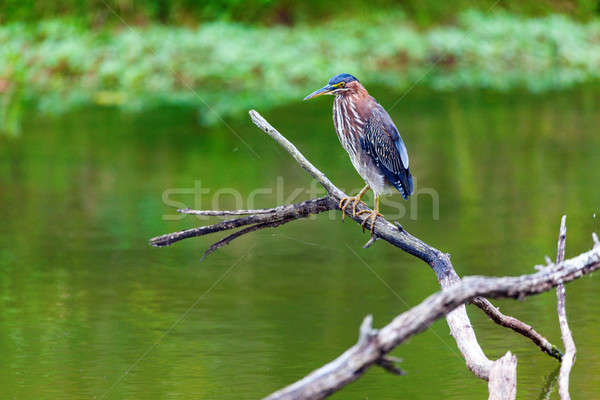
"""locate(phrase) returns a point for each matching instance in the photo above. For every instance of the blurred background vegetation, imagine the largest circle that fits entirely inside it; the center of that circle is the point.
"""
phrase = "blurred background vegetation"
(223, 57)
(272, 12)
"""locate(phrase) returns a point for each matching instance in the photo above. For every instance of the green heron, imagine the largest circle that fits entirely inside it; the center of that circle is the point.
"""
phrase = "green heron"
(372, 141)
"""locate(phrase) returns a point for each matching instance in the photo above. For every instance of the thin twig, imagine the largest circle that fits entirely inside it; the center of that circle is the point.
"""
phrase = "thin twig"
(370, 242)
(219, 213)
(390, 364)
(235, 235)
(299, 157)
(517, 326)
(567, 338)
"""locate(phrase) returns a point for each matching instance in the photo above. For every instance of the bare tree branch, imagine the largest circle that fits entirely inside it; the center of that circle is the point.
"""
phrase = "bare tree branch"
(372, 240)
(299, 157)
(285, 212)
(567, 338)
(219, 213)
(458, 321)
(517, 326)
(372, 345)
(389, 364)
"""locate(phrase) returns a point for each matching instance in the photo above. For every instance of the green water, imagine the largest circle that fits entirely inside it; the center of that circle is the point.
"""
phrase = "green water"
(89, 310)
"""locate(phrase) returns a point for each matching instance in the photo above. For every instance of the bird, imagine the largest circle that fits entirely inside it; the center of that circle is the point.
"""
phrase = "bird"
(376, 149)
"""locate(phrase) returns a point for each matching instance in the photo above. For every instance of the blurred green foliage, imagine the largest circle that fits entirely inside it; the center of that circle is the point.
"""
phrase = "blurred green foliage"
(225, 68)
(273, 11)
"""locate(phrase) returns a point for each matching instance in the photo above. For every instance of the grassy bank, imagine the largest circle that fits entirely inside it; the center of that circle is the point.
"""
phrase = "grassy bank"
(60, 65)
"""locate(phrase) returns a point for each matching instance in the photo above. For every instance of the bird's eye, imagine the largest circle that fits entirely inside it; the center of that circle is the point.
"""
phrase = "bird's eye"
(342, 84)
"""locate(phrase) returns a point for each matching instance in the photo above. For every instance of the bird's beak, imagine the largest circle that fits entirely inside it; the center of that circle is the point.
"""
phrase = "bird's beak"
(324, 90)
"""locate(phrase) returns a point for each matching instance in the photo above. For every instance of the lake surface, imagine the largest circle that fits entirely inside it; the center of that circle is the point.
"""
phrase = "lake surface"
(89, 310)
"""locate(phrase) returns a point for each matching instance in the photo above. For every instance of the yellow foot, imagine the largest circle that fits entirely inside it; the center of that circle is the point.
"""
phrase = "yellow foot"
(372, 216)
(345, 202)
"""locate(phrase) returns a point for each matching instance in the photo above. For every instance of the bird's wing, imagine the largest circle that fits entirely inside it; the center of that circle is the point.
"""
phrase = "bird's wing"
(382, 141)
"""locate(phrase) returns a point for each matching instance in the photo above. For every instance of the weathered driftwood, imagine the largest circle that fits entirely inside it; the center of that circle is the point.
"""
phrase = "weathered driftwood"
(458, 320)
(518, 326)
(373, 344)
(268, 215)
(569, 357)
(503, 378)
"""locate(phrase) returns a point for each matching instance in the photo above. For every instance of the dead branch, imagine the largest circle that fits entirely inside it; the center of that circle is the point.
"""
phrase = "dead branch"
(219, 213)
(248, 229)
(517, 326)
(373, 344)
(567, 338)
(458, 321)
(265, 216)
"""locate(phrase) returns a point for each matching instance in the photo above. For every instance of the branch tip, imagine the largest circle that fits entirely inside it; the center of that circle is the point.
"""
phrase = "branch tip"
(372, 240)
(389, 364)
(493, 312)
(366, 331)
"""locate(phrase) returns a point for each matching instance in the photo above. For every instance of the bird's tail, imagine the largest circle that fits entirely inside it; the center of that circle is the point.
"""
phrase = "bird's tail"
(404, 183)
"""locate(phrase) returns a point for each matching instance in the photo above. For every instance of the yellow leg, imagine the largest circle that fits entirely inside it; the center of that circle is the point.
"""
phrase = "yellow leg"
(345, 202)
(372, 215)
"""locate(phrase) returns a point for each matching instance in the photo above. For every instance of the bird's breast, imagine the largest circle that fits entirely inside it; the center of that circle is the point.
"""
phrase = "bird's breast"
(349, 126)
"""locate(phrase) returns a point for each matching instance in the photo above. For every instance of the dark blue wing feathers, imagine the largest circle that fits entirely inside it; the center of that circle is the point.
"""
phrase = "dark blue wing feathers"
(382, 141)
